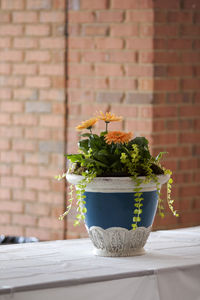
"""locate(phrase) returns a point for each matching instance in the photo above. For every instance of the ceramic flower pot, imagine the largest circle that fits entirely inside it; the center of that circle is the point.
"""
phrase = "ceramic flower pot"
(109, 217)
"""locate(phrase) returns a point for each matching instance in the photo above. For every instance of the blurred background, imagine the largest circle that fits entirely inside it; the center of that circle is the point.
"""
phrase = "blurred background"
(60, 62)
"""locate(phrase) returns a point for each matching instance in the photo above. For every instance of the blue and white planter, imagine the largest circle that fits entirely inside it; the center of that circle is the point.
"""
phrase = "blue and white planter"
(110, 206)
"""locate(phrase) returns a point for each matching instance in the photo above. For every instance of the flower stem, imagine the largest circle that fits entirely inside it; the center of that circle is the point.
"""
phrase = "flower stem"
(107, 126)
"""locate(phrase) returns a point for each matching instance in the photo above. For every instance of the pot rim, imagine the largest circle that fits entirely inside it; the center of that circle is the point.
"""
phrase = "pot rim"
(117, 184)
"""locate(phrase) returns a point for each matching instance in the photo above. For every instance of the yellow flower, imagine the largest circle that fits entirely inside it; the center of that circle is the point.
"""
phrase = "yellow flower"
(118, 137)
(87, 124)
(108, 117)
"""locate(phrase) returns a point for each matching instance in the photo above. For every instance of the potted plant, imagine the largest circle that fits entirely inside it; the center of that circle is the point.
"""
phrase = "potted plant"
(118, 186)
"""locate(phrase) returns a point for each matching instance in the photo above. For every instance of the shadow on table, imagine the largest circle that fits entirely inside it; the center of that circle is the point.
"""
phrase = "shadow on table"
(5, 240)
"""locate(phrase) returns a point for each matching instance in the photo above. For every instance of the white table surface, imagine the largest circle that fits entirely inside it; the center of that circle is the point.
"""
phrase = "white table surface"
(169, 270)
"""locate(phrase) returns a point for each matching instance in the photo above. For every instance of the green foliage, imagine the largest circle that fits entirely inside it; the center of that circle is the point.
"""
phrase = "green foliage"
(96, 158)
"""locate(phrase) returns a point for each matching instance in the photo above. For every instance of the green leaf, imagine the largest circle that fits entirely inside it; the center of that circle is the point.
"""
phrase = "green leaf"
(159, 156)
(84, 145)
(75, 157)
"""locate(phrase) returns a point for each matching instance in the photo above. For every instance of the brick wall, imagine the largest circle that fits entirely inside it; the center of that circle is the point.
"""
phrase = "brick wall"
(141, 60)
(137, 58)
(176, 115)
(32, 117)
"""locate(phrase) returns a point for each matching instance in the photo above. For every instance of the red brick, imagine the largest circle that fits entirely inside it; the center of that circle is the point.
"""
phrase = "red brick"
(37, 133)
(94, 83)
(37, 184)
(24, 119)
(52, 17)
(73, 83)
(190, 57)
(24, 17)
(39, 4)
(37, 56)
(130, 4)
(52, 43)
(20, 219)
(121, 56)
(52, 94)
(146, 84)
(51, 69)
(189, 111)
(180, 17)
(124, 30)
(12, 30)
(166, 30)
(138, 127)
(58, 82)
(140, 71)
(11, 206)
(25, 43)
(52, 121)
(41, 234)
(37, 30)
(140, 16)
(75, 29)
(191, 4)
(4, 17)
(5, 69)
(190, 30)
(122, 83)
(180, 71)
(166, 84)
(109, 16)
(13, 81)
(109, 43)
(5, 193)
(80, 17)
(187, 164)
(170, 4)
(10, 157)
(5, 93)
(95, 30)
(47, 222)
(5, 218)
(25, 195)
(167, 58)
(145, 112)
(164, 112)
(5, 119)
(23, 145)
(12, 4)
(4, 145)
(5, 42)
(178, 44)
(140, 43)
(11, 106)
(37, 82)
(175, 124)
(11, 182)
(24, 69)
(59, 4)
(92, 56)
(190, 137)
(108, 70)
(190, 84)
(11, 56)
(94, 4)
(81, 43)
(146, 57)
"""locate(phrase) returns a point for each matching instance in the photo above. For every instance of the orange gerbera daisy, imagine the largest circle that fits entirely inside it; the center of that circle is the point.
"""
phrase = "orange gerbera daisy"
(108, 117)
(117, 137)
(88, 124)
